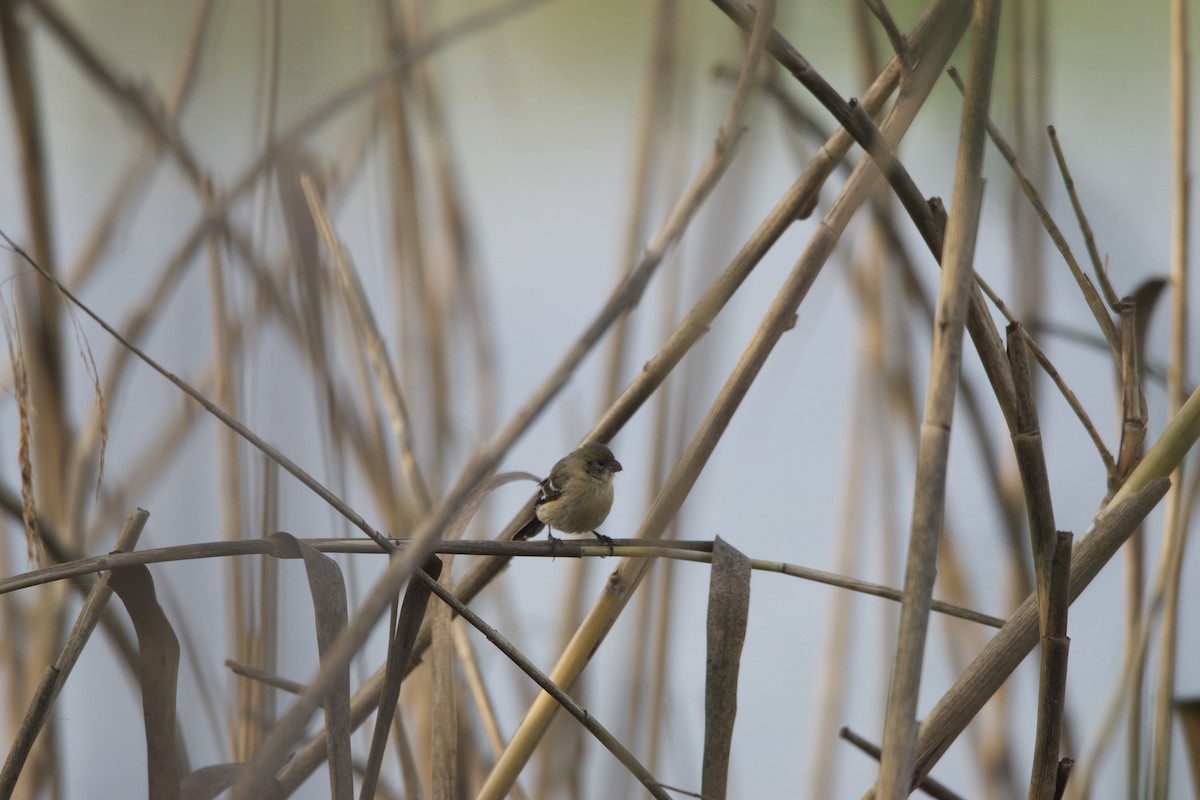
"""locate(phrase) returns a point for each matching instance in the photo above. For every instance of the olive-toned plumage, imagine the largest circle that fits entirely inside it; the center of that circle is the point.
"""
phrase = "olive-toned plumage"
(578, 495)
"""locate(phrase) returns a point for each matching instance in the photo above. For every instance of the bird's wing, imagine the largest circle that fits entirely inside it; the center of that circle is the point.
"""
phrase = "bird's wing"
(551, 488)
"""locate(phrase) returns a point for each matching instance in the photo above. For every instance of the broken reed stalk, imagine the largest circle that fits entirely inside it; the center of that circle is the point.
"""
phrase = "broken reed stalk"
(1052, 562)
(1008, 648)
(1147, 484)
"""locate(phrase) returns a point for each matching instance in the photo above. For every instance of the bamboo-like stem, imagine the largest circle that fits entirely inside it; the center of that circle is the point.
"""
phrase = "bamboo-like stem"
(1008, 648)
(1176, 526)
(1031, 463)
(1052, 689)
(900, 724)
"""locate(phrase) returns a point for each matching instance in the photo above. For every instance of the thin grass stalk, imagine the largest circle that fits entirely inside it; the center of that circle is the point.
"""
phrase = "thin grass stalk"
(1176, 526)
(417, 296)
(368, 331)
(566, 744)
(266, 642)
(46, 452)
(1089, 240)
(56, 675)
(650, 652)
(900, 724)
(653, 111)
(836, 645)
(1051, 560)
(239, 612)
(928, 785)
(677, 550)
(464, 292)
(1028, 73)
(89, 439)
(128, 188)
(444, 734)
(477, 688)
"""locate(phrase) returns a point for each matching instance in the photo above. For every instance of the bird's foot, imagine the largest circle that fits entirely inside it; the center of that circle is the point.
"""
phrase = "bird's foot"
(607, 540)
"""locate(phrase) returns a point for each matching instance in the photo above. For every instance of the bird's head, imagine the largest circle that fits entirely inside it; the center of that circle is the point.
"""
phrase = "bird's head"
(598, 460)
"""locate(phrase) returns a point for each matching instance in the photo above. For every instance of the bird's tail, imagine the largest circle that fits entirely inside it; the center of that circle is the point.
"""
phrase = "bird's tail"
(530, 530)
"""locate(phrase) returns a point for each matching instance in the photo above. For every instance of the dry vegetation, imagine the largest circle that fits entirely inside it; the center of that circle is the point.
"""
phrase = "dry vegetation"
(392, 407)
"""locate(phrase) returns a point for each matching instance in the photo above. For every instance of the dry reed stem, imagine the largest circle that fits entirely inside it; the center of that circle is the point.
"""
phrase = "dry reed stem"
(851, 115)
(1056, 377)
(56, 674)
(1052, 687)
(400, 643)
(653, 112)
(1086, 287)
(1085, 228)
(830, 686)
(46, 440)
(1031, 463)
(1176, 526)
(929, 786)
(954, 296)
(137, 172)
(695, 551)
(1009, 647)
(550, 688)
(956, 708)
(228, 420)
(1188, 710)
(779, 318)
(368, 329)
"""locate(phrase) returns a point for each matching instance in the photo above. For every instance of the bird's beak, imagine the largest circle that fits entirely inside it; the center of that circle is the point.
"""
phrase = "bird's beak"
(614, 466)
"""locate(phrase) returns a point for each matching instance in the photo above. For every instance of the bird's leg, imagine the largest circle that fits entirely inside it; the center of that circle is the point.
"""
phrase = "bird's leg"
(607, 540)
(554, 540)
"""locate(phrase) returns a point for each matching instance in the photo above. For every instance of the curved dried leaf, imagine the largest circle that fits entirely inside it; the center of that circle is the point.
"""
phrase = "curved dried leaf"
(728, 609)
(158, 650)
(328, 591)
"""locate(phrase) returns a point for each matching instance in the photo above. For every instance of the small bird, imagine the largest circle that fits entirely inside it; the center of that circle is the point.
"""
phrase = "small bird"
(577, 496)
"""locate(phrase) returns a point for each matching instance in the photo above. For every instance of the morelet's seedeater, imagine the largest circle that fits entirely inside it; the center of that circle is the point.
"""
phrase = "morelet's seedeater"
(577, 496)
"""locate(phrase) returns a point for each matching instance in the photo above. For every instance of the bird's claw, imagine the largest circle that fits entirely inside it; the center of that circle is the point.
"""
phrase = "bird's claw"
(607, 540)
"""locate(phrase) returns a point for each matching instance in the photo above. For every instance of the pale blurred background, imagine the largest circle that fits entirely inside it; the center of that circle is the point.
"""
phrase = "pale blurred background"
(542, 112)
